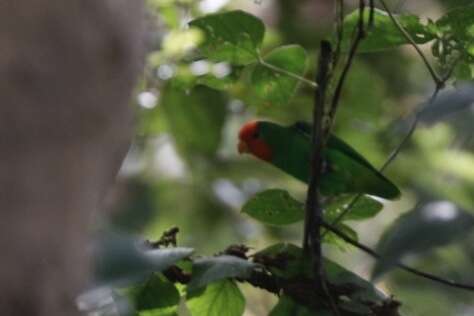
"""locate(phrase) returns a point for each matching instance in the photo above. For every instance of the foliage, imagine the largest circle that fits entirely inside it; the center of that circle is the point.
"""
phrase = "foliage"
(238, 67)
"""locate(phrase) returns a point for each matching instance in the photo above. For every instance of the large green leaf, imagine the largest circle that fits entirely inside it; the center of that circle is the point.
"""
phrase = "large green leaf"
(292, 263)
(155, 296)
(220, 82)
(195, 118)
(208, 270)
(289, 260)
(365, 208)
(384, 34)
(456, 37)
(273, 87)
(222, 298)
(233, 36)
(277, 207)
(331, 238)
(274, 207)
(218, 76)
(288, 307)
(459, 22)
(121, 258)
(167, 311)
(363, 290)
(432, 225)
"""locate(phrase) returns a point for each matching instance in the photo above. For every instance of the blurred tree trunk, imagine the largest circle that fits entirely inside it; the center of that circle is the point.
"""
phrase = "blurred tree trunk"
(67, 69)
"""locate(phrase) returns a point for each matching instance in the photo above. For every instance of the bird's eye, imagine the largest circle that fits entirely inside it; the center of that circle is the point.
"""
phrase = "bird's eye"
(256, 135)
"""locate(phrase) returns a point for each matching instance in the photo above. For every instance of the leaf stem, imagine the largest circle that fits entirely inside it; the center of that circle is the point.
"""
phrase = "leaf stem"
(408, 37)
(282, 71)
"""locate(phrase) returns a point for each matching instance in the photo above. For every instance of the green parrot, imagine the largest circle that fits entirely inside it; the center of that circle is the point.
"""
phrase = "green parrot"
(289, 149)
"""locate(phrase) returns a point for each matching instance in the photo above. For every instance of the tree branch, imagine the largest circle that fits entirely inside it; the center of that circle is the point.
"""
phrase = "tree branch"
(314, 211)
(300, 288)
(313, 206)
(402, 266)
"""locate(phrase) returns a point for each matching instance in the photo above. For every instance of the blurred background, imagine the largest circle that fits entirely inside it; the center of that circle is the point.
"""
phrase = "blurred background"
(184, 170)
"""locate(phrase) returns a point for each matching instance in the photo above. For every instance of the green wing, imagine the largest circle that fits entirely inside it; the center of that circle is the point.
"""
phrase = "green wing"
(347, 175)
(333, 142)
(348, 171)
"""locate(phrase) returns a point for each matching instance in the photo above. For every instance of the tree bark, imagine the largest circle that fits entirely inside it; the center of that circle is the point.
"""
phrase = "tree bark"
(67, 69)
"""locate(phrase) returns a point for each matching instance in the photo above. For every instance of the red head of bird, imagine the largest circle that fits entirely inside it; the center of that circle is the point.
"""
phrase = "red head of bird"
(251, 141)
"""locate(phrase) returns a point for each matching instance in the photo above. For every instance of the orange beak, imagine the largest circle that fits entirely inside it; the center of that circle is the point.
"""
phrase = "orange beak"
(243, 147)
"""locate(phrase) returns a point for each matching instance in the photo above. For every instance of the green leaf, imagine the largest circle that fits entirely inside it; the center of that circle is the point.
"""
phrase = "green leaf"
(432, 225)
(458, 22)
(365, 207)
(195, 119)
(167, 311)
(333, 239)
(233, 36)
(208, 270)
(456, 40)
(288, 307)
(155, 293)
(218, 76)
(220, 82)
(170, 15)
(277, 207)
(288, 261)
(384, 34)
(362, 291)
(223, 298)
(463, 71)
(274, 207)
(121, 258)
(272, 87)
(285, 260)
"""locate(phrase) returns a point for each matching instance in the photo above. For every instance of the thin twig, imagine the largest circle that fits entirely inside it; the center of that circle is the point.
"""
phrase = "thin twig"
(337, 93)
(339, 31)
(403, 142)
(389, 160)
(402, 266)
(371, 13)
(282, 71)
(408, 37)
(345, 211)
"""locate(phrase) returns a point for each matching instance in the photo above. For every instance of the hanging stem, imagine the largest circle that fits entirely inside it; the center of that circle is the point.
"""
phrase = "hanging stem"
(408, 37)
(282, 71)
